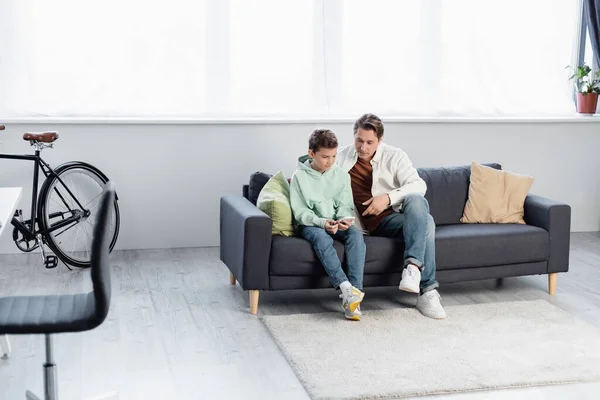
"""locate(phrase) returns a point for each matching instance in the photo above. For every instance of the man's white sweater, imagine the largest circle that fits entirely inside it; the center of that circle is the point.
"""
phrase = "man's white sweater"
(393, 173)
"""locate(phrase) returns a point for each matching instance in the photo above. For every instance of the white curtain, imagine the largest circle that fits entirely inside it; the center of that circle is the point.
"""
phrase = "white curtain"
(231, 58)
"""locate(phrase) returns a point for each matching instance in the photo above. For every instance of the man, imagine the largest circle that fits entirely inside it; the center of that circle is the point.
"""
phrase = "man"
(389, 198)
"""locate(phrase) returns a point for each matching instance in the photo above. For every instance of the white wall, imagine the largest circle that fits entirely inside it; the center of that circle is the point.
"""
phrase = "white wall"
(170, 177)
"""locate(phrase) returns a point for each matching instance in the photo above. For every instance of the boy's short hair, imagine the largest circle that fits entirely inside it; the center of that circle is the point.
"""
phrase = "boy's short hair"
(369, 122)
(322, 139)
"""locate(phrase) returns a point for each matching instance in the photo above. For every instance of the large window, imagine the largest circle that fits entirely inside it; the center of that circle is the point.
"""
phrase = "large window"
(222, 58)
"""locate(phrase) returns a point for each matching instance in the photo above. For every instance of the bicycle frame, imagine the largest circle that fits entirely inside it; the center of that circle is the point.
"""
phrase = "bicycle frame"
(40, 164)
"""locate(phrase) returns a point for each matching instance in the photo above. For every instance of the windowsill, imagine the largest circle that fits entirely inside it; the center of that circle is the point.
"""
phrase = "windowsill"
(568, 118)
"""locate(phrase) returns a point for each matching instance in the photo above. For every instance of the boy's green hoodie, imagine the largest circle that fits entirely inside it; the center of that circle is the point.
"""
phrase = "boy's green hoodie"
(317, 197)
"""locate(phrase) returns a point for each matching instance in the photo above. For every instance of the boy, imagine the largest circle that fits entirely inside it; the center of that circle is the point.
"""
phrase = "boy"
(322, 205)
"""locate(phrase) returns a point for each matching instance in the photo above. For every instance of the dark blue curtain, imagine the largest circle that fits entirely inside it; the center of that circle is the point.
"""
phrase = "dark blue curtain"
(592, 18)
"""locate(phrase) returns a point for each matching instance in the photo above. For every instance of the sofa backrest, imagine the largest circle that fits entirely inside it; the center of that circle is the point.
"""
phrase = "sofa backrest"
(255, 185)
(447, 190)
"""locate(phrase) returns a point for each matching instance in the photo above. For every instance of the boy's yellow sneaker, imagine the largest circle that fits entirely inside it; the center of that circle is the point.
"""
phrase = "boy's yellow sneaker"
(353, 316)
(351, 299)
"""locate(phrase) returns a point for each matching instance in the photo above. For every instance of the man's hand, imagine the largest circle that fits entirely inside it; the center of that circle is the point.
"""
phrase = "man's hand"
(344, 224)
(376, 204)
(331, 226)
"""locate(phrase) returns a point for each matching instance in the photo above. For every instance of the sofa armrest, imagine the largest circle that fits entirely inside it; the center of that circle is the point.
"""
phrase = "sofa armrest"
(245, 240)
(554, 217)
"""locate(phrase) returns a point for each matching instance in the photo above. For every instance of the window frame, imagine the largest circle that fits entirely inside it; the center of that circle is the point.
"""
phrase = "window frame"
(326, 77)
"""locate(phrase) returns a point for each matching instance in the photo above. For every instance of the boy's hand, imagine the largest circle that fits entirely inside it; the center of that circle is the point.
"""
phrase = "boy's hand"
(376, 205)
(331, 226)
(344, 224)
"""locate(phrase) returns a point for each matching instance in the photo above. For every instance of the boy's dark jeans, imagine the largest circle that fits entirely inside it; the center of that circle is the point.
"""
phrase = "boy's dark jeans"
(355, 247)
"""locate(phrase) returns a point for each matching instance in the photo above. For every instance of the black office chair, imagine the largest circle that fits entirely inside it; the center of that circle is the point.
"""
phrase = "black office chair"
(65, 313)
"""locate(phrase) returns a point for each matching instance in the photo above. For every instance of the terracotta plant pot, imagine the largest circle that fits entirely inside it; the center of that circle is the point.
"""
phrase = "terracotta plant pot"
(587, 102)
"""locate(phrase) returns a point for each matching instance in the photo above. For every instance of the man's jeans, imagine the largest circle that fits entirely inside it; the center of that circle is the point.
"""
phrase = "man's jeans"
(355, 247)
(418, 228)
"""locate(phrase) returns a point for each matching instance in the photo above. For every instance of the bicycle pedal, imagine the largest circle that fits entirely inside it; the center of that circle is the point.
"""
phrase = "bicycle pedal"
(51, 262)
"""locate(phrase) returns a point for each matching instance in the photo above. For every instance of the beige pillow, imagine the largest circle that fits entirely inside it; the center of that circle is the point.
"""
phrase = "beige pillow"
(495, 196)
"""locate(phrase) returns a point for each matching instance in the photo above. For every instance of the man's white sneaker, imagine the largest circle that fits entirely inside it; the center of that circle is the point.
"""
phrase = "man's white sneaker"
(411, 279)
(430, 306)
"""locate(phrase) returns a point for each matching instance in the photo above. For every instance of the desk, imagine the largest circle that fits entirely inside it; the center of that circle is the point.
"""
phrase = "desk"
(9, 198)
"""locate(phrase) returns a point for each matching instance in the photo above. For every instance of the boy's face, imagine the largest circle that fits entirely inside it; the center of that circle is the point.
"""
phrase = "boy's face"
(323, 159)
(366, 143)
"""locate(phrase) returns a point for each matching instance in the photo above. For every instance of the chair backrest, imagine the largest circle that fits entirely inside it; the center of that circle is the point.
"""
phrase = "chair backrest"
(100, 263)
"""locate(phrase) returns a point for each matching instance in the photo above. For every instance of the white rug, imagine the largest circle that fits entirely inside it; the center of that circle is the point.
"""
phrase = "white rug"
(399, 353)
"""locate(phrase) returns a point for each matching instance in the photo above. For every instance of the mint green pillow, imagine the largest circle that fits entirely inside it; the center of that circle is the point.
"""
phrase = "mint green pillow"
(274, 200)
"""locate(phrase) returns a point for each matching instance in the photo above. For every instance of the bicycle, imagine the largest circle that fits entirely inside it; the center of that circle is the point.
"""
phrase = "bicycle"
(64, 209)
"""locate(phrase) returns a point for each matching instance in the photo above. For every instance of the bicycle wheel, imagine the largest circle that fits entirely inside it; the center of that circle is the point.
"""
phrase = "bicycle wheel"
(71, 242)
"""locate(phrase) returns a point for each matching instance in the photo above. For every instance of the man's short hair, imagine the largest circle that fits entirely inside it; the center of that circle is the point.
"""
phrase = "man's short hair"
(369, 122)
(322, 139)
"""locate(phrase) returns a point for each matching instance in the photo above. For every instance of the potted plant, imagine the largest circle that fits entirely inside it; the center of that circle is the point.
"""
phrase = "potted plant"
(587, 88)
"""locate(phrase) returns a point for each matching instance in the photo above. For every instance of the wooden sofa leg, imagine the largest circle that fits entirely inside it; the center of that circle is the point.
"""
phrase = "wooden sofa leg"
(253, 302)
(231, 278)
(552, 283)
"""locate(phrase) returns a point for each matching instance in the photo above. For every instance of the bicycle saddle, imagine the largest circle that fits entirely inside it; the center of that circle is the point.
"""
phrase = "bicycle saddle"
(44, 137)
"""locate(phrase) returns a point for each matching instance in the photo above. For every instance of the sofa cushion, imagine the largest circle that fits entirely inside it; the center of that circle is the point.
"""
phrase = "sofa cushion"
(257, 181)
(295, 256)
(457, 246)
(447, 191)
(466, 246)
(496, 197)
(483, 245)
(274, 200)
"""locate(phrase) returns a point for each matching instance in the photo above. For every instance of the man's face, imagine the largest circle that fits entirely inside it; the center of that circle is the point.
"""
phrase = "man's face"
(366, 143)
(323, 158)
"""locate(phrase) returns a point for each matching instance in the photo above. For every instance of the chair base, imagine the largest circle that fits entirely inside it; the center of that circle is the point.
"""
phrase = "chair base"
(4, 347)
(111, 396)
(50, 380)
(31, 396)
(50, 385)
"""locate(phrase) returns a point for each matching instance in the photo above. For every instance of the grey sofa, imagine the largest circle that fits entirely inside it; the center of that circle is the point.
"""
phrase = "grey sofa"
(259, 260)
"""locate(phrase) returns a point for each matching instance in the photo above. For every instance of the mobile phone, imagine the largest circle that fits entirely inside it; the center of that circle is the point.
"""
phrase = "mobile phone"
(347, 219)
